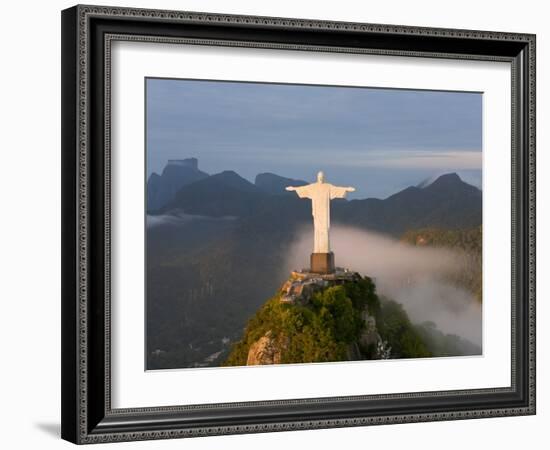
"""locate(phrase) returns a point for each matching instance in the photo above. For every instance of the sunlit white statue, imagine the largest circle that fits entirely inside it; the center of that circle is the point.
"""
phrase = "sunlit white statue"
(320, 194)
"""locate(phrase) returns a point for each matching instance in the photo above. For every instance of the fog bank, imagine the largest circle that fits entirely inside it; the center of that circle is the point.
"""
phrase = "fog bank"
(178, 217)
(412, 276)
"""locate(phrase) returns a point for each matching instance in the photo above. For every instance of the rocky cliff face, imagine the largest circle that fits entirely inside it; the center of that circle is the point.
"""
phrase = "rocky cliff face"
(267, 350)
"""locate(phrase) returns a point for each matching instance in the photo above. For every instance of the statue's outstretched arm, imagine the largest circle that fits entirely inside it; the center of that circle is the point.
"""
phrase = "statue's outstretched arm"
(301, 191)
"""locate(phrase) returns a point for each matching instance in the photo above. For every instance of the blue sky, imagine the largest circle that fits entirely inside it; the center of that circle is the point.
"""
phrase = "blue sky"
(377, 140)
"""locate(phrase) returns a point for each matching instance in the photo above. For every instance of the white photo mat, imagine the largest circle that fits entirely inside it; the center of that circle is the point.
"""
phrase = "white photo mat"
(132, 386)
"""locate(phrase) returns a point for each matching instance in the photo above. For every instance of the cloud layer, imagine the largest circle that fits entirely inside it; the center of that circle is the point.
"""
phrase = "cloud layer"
(413, 276)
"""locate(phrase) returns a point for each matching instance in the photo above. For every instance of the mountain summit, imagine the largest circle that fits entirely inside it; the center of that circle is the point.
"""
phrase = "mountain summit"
(274, 184)
(451, 182)
(448, 202)
(223, 194)
(448, 178)
(176, 174)
(230, 179)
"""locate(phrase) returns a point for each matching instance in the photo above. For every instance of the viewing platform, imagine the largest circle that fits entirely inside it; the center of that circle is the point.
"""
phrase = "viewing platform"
(302, 284)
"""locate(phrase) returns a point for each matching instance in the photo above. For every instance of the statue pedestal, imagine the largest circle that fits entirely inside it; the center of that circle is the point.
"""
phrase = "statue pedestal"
(322, 263)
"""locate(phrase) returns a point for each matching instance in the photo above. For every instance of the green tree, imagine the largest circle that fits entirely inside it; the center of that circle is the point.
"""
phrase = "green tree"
(395, 327)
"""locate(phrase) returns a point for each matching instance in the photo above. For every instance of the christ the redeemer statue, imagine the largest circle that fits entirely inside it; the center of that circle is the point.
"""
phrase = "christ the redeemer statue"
(320, 194)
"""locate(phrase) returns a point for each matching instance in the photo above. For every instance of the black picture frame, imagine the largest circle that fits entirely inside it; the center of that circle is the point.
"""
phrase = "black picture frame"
(87, 416)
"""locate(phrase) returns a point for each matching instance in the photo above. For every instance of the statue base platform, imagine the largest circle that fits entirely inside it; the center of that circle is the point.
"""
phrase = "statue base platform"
(322, 263)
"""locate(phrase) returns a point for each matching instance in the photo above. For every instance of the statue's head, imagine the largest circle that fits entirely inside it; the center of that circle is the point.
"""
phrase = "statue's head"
(320, 177)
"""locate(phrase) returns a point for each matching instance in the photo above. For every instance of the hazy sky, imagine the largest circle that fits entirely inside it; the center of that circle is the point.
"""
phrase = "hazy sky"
(378, 140)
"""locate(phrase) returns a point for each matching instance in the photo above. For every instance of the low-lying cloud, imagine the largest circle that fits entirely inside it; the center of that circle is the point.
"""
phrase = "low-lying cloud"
(413, 276)
(177, 218)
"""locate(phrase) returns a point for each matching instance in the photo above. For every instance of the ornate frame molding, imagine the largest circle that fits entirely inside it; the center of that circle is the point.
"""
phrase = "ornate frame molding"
(85, 422)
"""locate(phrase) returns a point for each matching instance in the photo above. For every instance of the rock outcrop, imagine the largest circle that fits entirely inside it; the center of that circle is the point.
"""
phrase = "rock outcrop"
(267, 350)
(301, 285)
(369, 335)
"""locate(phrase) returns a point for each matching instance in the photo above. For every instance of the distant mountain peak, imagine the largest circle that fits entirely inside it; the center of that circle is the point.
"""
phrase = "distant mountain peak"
(176, 174)
(228, 173)
(445, 180)
(451, 184)
(232, 179)
(446, 177)
(449, 176)
(192, 163)
(275, 184)
(222, 194)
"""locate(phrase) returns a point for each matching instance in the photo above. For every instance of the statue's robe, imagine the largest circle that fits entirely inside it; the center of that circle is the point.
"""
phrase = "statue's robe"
(321, 194)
